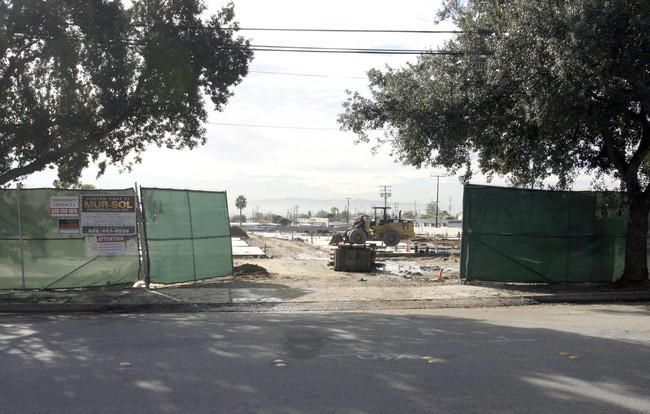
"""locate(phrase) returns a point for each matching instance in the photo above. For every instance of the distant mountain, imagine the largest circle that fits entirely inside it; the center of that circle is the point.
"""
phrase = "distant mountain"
(305, 205)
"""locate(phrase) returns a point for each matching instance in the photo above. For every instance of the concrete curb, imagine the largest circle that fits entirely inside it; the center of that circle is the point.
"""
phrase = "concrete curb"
(593, 297)
(329, 306)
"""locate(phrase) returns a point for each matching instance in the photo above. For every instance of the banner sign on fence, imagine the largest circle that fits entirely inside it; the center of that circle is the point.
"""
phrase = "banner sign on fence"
(111, 245)
(108, 214)
(107, 246)
(64, 206)
(69, 226)
(42, 245)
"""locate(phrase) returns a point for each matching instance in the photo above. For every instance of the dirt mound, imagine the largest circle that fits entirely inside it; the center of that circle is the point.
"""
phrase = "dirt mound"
(247, 270)
(238, 232)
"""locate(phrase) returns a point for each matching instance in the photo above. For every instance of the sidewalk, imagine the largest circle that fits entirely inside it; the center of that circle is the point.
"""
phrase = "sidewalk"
(254, 297)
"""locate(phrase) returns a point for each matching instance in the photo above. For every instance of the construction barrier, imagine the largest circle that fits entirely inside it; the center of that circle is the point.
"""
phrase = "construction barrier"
(187, 233)
(520, 235)
(52, 238)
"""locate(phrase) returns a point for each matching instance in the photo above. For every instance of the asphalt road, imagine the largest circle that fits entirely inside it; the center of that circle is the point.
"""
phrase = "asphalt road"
(540, 359)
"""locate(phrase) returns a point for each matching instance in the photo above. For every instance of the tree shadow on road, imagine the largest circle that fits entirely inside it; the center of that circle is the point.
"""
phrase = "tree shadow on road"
(331, 362)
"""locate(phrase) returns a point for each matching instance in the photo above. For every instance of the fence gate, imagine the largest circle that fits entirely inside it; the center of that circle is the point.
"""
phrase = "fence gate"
(187, 233)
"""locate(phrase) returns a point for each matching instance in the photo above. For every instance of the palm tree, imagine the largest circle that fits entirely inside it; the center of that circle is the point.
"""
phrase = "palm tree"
(240, 203)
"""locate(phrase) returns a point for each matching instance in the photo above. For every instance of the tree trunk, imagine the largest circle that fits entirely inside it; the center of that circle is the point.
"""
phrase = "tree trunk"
(636, 245)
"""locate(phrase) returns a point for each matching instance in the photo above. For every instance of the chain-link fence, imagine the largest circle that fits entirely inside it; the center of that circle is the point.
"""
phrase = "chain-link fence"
(187, 233)
(52, 238)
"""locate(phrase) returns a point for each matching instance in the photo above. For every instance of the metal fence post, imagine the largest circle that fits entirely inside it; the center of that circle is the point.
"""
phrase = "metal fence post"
(142, 236)
(20, 235)
(189, 211)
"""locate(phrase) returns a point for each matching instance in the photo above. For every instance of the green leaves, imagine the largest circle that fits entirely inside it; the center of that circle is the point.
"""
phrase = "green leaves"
(534, 89)
(92, 81)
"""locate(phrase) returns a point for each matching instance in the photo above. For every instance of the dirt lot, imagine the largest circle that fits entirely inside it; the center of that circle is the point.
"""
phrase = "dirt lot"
(292, 260)
(302, 265)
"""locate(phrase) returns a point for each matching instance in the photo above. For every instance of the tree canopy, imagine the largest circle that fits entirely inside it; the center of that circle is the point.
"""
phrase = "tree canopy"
(92, 81)
(529, 90)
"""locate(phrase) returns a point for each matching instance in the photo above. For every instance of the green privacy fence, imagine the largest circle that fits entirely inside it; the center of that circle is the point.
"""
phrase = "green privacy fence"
(53, 238)
(520, 235)
(188, 234)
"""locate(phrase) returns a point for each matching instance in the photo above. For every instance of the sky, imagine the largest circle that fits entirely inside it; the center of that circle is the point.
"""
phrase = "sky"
(278, 138)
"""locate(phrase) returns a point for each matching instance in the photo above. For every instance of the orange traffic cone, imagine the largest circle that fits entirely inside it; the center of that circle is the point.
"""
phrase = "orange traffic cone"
(440, 275)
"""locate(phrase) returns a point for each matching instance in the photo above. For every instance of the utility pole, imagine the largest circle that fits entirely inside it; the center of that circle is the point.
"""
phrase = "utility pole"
(347, 212)
(385, 192)
(437, 194)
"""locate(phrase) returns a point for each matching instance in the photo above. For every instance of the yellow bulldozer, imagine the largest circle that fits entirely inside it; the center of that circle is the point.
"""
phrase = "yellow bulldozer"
(388, 230)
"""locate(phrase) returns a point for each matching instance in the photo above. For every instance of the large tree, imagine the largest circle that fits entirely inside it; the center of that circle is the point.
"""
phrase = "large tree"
(530, 90)
(93, 81)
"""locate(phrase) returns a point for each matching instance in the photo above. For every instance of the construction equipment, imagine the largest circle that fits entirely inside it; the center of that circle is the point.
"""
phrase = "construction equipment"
(388, 230)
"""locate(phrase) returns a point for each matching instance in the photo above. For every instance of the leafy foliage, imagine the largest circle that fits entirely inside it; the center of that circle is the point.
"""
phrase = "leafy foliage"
(283, 222)
(529, 90)
(84, 82)
(78, 185)
(240, 202)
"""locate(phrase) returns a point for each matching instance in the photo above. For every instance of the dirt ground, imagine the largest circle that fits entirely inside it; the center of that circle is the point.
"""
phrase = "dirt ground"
(302, 265)
(291, 260)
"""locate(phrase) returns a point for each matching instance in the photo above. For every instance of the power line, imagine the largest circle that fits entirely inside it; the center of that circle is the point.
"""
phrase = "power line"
(351, 30)
(315, 49)
(305, 74)
(271, 126)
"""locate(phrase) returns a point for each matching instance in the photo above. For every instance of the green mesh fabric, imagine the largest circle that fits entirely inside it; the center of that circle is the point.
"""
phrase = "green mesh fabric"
(188, 234)
(52, 252)
(520, 235)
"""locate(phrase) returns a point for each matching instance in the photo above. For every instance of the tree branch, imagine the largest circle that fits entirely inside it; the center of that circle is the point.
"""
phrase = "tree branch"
(49, 158)
(76, 146)
(609, 151)
(643, 150)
